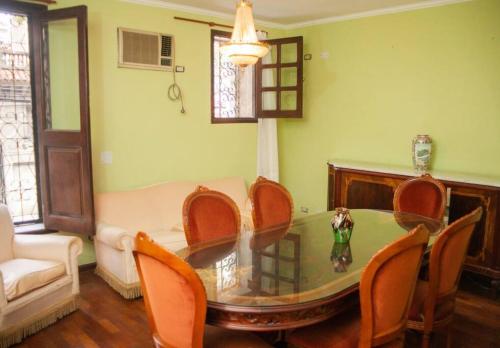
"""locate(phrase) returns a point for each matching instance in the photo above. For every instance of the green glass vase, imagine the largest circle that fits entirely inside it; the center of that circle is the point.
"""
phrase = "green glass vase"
(342, 225)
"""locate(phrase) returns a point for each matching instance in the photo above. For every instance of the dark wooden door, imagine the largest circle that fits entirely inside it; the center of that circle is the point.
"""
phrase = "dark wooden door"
(63, 123)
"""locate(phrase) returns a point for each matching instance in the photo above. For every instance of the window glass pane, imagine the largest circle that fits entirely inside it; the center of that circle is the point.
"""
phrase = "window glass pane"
(269, 77)
(272, 56)
(233, 87)
(269, 100)
(289, 77)
(61, 74)
(18, 180)
(289, 53)
(288, 100)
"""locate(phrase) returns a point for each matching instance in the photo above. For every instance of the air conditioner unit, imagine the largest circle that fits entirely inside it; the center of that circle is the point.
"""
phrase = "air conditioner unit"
(145, 50)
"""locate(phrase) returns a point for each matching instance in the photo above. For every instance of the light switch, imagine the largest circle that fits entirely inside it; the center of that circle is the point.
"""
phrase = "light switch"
(325, 55)
(106, 157)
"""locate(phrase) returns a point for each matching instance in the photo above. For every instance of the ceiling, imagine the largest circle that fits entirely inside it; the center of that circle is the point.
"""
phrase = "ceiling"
(297, 12)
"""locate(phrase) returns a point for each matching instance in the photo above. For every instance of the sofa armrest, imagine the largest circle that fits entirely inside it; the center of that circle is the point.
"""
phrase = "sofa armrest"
(3, 298)
(115, 236)
(49, 247)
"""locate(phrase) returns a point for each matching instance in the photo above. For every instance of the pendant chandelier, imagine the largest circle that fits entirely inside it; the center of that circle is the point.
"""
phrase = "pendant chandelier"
(244, 48)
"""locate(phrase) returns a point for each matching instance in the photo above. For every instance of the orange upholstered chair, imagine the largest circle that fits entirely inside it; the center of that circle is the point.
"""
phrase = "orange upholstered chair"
(176, 302)
(272, 204)
(386, 291)
(209, 215)
(434, 301)
(424, 196)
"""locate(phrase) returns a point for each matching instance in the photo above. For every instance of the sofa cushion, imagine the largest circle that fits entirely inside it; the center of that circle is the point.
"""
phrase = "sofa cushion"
(115, 237)
(172, 240)
(21, 276)
(6, 234)
(145, 208)
(234, 187)
(160, 206)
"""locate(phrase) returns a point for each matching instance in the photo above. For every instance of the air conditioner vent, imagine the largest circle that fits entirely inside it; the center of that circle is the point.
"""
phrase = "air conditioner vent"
(144, 50)
(166, 46)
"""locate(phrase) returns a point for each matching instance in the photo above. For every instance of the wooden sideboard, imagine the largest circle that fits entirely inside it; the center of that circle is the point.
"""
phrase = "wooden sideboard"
(359, 185)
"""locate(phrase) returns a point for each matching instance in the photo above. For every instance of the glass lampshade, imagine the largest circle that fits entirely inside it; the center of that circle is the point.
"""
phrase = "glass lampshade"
(244, 48)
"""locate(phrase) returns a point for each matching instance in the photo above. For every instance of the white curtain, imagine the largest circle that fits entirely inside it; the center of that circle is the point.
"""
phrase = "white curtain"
(267, 130)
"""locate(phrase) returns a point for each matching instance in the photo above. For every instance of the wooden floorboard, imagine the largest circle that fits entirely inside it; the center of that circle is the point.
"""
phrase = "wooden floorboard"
(107, 320)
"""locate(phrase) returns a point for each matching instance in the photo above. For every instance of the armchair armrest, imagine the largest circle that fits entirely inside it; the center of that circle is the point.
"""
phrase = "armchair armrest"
(49, 247)
(3, 299)
(115, 236)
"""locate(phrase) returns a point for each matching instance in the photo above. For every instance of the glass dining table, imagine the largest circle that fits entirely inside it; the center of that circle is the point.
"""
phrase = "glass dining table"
(295, 275)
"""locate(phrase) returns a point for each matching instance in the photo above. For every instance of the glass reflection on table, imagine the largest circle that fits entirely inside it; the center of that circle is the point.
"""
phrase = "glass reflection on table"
(295, 264)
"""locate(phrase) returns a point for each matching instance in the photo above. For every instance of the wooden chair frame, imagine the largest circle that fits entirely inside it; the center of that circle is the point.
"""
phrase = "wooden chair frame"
(424, 178)
(432, 299)
(368, 338)
(261, 181)
(202, 191)
(146, 246)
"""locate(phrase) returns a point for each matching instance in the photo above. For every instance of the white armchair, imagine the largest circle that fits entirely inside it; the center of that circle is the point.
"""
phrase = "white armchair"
(38, 280)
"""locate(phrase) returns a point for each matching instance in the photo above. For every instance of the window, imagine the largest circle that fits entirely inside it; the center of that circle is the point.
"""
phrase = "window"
(278, 82)
(232, 87)
(45, 160)
(18, 173)
(270, 89)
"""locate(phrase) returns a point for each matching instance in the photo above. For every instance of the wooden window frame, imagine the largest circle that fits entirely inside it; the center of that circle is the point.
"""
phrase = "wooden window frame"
(30, 10)
(278, 113)
(219, 120)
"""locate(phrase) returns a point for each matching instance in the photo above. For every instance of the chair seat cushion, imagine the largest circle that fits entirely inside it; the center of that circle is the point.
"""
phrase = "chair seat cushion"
(216, 337)
(340, 331)
(21, 276)
(417, 307)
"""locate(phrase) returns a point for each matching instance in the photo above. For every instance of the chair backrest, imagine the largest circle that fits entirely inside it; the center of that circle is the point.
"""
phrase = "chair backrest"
(6, 234)
(174, 296)
(209, 215)
(272, 204)
(424, 196)
(387, 286)
(446, 262)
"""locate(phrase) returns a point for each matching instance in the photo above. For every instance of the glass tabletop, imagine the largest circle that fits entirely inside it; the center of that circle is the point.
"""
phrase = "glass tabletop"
(291, 265)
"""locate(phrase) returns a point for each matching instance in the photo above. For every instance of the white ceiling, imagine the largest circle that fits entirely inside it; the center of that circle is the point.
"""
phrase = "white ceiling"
(300, 12)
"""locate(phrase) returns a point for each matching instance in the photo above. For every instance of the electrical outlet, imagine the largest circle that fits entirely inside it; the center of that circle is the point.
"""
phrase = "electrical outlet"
(304, 210)
(106, 157)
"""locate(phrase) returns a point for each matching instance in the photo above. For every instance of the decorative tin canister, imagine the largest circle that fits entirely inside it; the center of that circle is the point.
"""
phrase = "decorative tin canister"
(342, 224)
(422, 150)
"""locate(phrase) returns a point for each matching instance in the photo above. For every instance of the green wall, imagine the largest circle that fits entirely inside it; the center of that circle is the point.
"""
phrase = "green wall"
(388, 78)
(132, 117)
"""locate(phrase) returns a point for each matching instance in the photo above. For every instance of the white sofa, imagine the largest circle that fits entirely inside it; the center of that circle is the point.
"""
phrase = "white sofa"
(156, 210)
(38, 280)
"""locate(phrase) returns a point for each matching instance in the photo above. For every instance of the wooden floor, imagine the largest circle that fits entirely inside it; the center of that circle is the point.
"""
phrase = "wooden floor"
(105, 319)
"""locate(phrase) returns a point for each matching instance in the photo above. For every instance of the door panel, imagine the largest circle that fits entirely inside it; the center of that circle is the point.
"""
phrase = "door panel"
(63, 122)
(65, 190)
